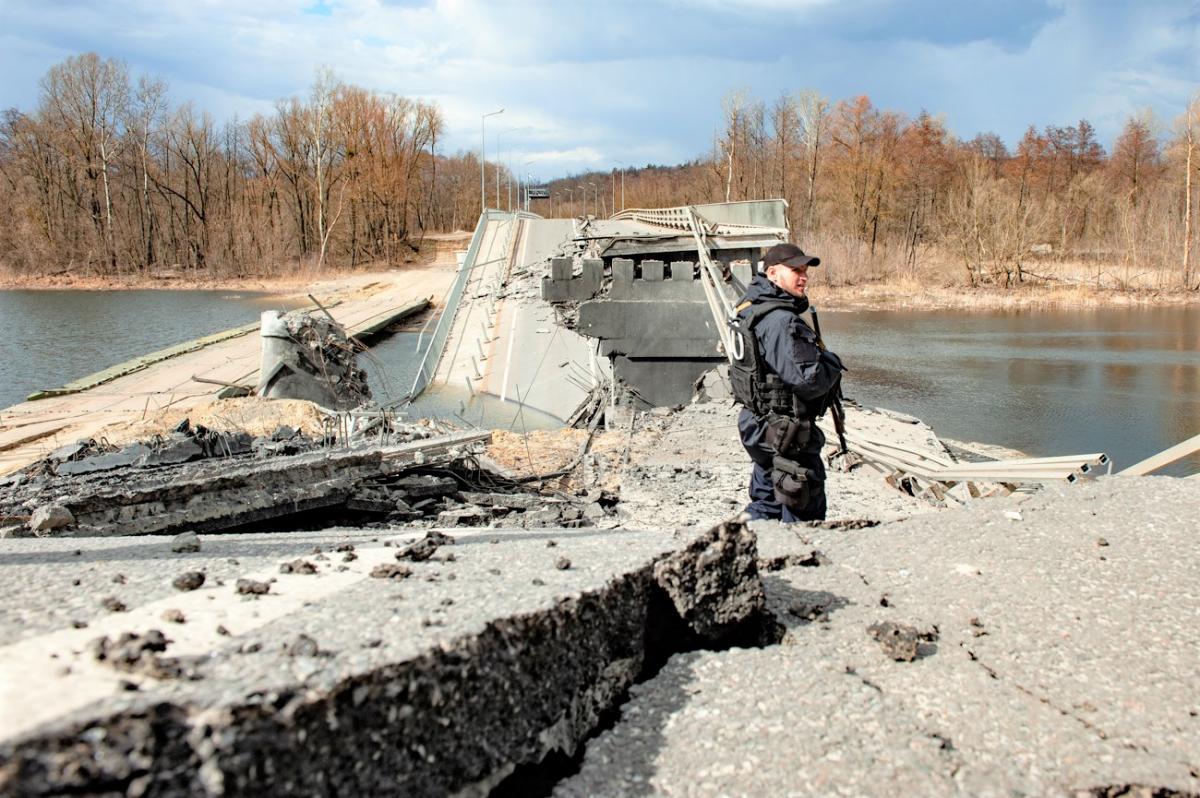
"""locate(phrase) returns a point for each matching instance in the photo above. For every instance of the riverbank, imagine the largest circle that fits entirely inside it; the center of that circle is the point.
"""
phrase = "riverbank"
(286, 280)
(164, 281)
(896, 294)
(911, 295)
(283, 286)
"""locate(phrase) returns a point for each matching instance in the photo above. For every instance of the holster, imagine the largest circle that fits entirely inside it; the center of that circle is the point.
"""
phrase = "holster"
(787, 436)
(795, 486)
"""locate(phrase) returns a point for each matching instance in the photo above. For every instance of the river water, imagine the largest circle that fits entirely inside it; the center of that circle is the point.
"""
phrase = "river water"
(1123, 381)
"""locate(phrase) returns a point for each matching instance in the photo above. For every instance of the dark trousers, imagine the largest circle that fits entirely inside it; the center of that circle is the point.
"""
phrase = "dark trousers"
(764, 505)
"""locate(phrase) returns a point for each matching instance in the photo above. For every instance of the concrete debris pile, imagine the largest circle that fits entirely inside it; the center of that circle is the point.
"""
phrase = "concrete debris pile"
(185, 443)
(193, 479)
(310, 356)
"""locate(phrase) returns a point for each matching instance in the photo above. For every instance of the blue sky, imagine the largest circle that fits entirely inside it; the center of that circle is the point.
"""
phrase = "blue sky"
(595, 84)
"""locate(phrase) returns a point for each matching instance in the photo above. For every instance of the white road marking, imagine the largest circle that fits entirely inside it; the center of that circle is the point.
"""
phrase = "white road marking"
(512, 336)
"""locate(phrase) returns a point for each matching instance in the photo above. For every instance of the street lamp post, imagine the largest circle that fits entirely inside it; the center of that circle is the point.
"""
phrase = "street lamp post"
(508, 161)
(527, 179)
(483, 160)
(571, 196)
(595, 199)
(497, 172)
(622, 186)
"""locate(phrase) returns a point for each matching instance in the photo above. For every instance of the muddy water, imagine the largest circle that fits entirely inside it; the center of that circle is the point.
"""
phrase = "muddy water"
(1122, 381)
(52, 337)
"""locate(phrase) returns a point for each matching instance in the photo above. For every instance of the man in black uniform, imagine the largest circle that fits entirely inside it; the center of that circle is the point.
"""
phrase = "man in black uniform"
(784, 380)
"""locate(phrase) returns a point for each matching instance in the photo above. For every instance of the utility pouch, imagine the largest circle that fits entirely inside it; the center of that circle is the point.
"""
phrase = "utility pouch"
(795, 485)
(787, 436)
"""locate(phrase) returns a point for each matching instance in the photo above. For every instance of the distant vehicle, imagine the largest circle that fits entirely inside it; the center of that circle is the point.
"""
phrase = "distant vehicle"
(539, 193)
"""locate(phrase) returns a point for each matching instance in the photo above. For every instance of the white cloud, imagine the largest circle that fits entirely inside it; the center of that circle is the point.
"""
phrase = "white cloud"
(589, 84)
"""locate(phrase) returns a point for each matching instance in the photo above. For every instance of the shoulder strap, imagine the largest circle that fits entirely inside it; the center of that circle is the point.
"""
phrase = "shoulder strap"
(759, 310)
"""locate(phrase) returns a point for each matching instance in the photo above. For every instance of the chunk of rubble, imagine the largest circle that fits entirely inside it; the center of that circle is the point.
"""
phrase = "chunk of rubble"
(423, 549)
(899, 641)
(185, 543)
(252, 587)
(189, 580)
(424, 486)
(299, 567)
(134, 653)
(389, 570)
(50, 517)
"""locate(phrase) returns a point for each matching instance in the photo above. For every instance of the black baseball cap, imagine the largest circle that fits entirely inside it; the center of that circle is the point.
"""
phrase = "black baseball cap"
(788, 255)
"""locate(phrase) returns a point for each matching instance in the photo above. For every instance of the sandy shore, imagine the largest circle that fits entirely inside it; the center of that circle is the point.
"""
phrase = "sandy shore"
(876, 296)
(287, 280)
(1040, 297)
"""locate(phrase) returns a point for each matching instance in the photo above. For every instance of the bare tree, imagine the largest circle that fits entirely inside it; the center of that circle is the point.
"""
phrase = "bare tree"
(813, 112)
(88, 97)
(149, 104)
(1189, 122)
(322, 149)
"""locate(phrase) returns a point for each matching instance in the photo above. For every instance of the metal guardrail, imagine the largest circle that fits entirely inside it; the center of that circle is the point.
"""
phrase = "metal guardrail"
(437, 342)
(441, 333)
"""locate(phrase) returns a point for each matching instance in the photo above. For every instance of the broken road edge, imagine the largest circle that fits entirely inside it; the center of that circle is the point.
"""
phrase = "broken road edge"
(459, 718)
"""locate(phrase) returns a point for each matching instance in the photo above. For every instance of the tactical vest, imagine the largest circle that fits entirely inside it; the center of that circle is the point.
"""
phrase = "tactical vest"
(754, 385)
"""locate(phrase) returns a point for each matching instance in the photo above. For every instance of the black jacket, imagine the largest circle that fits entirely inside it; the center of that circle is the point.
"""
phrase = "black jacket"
(789, 347)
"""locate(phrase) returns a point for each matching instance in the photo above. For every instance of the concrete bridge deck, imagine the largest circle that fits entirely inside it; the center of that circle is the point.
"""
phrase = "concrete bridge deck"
(506, 339)
(31, 430)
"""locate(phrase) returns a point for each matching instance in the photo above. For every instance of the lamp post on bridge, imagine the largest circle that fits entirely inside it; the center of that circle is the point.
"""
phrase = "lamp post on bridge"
(527, 178)
(483, 159)
(622, 188)
(571, 196)
(595, 199)
(508, 162)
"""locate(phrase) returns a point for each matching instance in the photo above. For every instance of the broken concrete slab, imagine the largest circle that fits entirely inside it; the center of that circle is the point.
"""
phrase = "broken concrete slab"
(225, 497)
(1059, 668)
(217, 495)
(442, 682)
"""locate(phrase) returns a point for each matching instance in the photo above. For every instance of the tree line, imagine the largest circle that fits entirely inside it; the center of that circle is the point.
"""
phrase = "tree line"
(891, 195)
(106, 176)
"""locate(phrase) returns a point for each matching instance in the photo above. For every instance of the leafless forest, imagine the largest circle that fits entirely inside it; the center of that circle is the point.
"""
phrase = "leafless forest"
(106, 177)
(883, 197)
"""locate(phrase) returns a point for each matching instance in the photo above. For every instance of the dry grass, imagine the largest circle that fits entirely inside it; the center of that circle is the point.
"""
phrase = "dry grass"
(253, 415)
(540, 452)
(903, 294)
(284, 278)
(885, 280)
(167, 281)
